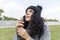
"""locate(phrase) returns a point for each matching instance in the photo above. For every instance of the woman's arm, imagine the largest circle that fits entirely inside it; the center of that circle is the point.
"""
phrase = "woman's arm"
(46, 35)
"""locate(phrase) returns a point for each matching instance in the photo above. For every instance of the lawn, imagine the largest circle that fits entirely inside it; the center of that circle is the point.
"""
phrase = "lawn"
(55, 32)
(7, 33)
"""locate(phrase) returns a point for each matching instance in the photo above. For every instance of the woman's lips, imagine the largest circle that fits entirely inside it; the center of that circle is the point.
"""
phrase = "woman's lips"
(27, 16)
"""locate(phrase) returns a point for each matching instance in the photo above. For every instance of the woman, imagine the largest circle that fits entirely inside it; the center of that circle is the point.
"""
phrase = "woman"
(32, 26)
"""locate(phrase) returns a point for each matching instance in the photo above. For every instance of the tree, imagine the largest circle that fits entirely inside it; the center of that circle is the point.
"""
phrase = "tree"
(1, 11)
(9, 18)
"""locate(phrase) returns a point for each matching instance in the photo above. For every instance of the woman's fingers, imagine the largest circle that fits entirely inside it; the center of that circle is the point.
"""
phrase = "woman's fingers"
(21, 21)
(22, 32)
(20, 25)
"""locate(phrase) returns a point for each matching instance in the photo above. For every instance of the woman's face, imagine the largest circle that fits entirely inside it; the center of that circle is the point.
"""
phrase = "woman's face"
(29, 14)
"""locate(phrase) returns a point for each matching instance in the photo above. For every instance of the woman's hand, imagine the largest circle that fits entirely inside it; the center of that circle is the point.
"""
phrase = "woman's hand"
(21, 31)
(19, 24)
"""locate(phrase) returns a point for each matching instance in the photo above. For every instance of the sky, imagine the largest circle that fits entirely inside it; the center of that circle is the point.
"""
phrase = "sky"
(16, 8)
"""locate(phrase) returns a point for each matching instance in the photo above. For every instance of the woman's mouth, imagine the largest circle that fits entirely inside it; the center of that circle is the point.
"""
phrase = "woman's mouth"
(27, 16)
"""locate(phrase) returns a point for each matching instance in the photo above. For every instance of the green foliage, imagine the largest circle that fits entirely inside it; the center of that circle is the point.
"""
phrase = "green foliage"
(9, 18)
(55, 20)
(1, 11)
(0, 18)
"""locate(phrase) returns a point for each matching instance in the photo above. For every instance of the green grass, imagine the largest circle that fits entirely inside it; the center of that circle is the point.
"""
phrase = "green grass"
(55, 32)
(7, 33)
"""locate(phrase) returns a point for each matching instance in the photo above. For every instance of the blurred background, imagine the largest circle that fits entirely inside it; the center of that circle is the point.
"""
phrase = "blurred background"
(13, 10)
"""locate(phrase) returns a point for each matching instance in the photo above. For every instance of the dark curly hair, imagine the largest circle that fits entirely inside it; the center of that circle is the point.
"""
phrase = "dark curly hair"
(36, 25)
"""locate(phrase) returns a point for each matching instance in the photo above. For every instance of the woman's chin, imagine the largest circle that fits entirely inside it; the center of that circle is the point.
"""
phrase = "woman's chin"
(27, 20)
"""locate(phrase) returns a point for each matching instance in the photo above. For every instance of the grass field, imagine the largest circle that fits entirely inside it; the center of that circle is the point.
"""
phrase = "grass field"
(55, 32)
(7, 33)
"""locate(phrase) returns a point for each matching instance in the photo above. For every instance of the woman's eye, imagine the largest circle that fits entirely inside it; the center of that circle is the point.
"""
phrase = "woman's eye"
(31, 11)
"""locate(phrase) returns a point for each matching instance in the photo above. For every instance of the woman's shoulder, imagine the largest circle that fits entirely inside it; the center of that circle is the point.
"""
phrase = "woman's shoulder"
(46, 35)
(46, 26)
(46, 29)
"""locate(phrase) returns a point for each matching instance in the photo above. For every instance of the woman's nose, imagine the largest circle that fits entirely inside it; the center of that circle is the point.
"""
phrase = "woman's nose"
(27, 13)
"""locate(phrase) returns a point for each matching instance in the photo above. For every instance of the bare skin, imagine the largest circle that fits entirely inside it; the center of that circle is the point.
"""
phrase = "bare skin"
(21, 31)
